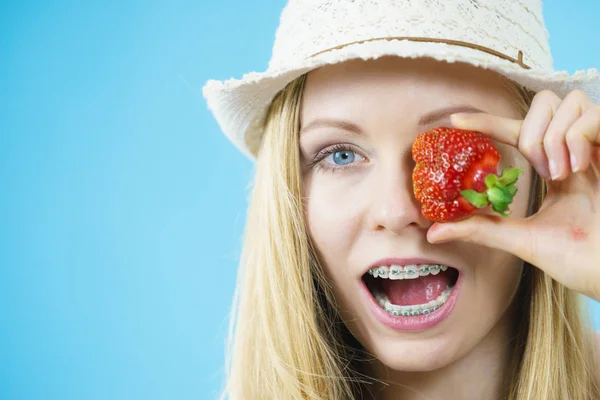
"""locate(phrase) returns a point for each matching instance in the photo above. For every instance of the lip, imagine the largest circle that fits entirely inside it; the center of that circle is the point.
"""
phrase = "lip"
(417, 323)
(406, 261)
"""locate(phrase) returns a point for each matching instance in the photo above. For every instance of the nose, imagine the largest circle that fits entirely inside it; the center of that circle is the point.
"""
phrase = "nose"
(394, 207)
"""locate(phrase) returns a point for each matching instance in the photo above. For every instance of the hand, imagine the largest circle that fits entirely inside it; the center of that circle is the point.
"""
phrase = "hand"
(561, 139)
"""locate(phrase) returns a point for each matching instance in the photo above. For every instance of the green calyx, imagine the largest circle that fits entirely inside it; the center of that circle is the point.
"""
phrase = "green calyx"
(500, 191)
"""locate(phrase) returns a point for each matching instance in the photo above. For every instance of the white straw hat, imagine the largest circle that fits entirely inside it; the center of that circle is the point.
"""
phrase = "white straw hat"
(507, 36)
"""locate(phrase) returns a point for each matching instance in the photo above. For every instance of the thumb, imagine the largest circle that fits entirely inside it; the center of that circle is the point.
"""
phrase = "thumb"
(508, 234)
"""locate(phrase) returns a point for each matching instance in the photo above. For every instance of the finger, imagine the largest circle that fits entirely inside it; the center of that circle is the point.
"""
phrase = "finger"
(595, 170)
(531, 140)
(509, 234)
(595, 163)
(505, 130)
(582, 137)
(527, 135)
(569, 111)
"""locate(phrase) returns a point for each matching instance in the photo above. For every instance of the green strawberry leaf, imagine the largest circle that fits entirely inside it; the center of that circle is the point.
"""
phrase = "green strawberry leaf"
(499, 195)
(490, 180)
(479, 200)
(500, 208)
(509, 175)
(501, 190)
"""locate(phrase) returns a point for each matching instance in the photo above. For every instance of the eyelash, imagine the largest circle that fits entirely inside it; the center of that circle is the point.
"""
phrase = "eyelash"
(320, 165)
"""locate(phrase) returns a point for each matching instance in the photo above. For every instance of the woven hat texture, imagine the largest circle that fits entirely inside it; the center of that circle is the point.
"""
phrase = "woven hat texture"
(507, 36)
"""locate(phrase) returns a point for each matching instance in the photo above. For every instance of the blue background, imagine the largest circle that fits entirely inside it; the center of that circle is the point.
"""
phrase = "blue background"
(122, 203)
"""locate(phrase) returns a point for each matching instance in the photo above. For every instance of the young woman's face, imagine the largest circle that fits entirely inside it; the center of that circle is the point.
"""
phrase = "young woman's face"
(360, 206)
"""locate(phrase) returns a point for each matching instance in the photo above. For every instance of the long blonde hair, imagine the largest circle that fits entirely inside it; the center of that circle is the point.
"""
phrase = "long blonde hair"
(286, 341)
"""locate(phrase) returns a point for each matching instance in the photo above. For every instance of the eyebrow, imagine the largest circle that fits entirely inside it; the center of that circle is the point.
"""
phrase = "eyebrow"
(332, 123)
(354, 129)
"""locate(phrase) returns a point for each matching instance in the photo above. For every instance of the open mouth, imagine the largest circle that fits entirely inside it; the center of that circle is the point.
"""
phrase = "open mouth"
(411, 290)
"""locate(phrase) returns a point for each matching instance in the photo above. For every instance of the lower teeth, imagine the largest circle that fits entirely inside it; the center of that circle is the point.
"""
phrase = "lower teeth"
(414, 310)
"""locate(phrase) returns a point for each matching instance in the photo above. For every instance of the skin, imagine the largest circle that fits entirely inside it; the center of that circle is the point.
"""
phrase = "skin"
(365, 211)
(563, 238)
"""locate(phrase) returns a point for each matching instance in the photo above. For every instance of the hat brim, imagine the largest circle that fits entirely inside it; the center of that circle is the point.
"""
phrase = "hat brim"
(240, 105)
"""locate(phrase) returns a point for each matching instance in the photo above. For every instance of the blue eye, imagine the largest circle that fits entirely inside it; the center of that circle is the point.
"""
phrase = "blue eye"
(338, 157)
(343, 157)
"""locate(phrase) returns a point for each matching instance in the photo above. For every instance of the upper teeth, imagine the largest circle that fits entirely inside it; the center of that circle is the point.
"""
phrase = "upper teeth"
(406, 272)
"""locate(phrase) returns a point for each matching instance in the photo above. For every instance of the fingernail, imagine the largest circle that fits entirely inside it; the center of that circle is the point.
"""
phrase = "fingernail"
(461, 116)
(433, 232)
(438, 240)
(553, 169)
(544, 173)
(574, 165)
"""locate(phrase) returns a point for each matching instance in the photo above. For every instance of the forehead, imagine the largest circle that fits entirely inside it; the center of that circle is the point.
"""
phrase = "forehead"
(404, 87)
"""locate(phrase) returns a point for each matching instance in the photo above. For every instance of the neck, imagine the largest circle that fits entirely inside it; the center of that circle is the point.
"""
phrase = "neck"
(480, 374)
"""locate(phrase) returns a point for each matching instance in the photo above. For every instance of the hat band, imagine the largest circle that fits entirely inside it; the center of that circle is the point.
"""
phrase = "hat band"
(518, 60)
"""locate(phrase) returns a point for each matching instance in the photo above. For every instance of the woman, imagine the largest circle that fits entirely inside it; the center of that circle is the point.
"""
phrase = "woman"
(331, 125)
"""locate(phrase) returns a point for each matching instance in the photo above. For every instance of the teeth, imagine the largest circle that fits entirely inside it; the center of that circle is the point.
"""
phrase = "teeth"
(396, 272)
(384, 272)
(412, 310)
(387, 306)
(412, 271)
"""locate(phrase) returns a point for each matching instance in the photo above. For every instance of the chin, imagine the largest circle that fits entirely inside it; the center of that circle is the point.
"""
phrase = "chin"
(417, 355)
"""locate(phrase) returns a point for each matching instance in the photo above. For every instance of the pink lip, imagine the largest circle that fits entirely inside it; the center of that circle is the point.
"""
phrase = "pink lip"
(418, 323)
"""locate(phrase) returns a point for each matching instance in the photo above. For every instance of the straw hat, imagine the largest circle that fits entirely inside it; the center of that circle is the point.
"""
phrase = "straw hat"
(507, 36)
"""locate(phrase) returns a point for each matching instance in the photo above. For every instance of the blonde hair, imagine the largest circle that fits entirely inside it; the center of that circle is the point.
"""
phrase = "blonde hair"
(286, 340)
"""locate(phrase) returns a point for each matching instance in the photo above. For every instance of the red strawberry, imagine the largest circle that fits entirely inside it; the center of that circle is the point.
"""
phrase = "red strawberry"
(455, 174)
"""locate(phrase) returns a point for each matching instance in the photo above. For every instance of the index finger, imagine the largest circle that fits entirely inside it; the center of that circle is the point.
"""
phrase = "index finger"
(527, 136)
(505, 130)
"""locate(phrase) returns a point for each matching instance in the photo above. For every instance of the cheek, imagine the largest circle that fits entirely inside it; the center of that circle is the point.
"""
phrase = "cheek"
(330, 217)
(504, 273)
(496, 282)
(333, 215)
(333, 220)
